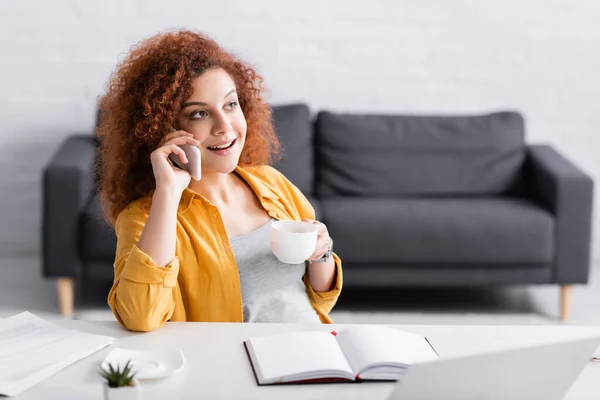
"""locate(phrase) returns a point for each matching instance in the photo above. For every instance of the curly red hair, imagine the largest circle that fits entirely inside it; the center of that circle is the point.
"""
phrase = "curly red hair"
(143, 98)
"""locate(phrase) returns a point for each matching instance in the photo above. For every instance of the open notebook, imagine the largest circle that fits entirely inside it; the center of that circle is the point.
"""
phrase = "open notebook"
(358, 353)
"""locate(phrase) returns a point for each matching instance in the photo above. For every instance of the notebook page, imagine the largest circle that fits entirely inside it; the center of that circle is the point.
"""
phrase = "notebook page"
(370, 344)
(293, 353)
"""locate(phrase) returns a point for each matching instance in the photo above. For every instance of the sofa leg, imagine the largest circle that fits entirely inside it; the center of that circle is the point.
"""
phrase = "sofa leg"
(565, 301)
(64, 287)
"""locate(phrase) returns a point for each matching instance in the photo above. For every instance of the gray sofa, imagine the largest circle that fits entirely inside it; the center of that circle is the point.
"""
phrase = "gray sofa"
(409, 201)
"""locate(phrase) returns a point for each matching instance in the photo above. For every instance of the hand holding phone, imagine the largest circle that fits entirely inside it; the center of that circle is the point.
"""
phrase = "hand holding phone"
(193, 166)
(168, 164)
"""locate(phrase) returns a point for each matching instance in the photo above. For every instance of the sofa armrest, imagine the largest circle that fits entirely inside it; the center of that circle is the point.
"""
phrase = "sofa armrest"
(567, 192)
(68, 185)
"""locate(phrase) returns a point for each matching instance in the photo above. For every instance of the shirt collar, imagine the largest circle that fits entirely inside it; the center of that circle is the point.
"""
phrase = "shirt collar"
(258, 186)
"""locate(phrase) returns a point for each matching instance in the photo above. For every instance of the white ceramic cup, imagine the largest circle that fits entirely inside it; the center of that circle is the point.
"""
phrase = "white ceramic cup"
(293, 242)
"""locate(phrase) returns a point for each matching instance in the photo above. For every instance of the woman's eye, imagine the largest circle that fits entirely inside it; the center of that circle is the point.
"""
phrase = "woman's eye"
(199, 114)
(232, 104)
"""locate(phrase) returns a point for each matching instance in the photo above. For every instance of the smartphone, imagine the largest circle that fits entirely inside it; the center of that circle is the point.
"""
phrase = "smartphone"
(194, 161)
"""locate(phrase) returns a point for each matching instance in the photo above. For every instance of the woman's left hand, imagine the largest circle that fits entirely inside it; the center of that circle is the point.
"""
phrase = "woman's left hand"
(323, 240)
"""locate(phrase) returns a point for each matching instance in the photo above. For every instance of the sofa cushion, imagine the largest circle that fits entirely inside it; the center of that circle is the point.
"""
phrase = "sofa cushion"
(366, 155)
(97, 240)
(293, 126)
(440, 231)
(316, 205)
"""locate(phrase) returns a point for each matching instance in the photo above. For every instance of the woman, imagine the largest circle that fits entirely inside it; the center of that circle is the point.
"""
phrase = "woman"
(198, 250)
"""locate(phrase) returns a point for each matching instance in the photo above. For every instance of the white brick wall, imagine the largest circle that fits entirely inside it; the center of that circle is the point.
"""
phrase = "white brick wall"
(422, 56)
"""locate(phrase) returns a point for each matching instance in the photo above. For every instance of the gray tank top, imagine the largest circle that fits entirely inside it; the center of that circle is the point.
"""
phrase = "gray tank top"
(272, 291)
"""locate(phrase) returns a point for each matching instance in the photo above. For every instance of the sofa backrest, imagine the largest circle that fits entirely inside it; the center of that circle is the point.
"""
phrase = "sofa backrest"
(366, 155)
(293, 126)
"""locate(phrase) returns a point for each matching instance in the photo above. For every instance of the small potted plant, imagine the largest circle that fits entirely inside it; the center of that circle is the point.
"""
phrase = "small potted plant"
(120, 383)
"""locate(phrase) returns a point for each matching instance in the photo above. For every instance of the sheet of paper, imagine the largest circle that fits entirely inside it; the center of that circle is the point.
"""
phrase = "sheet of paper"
(31, 349)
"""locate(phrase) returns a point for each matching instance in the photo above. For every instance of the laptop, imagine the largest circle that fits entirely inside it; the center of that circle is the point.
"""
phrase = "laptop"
(539, 372)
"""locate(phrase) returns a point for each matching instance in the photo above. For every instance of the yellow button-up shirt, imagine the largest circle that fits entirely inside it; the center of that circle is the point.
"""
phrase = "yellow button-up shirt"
(202, 282)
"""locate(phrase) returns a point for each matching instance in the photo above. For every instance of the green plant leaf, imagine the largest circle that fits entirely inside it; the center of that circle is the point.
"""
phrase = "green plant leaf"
(118, 377)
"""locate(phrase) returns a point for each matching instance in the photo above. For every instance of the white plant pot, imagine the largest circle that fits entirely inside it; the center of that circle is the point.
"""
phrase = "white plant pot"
(123, 393)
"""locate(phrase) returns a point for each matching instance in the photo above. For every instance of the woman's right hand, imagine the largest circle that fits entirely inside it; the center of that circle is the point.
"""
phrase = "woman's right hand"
(166, 175)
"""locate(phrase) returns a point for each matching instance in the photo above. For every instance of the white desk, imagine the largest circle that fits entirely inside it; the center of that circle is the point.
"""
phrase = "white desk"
(217, 366)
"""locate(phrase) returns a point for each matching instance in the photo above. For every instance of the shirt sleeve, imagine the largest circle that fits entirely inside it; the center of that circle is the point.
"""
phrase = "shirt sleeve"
(141, 296)
(326, 300)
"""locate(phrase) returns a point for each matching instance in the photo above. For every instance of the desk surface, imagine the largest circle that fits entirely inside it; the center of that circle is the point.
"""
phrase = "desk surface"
(217, 366)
